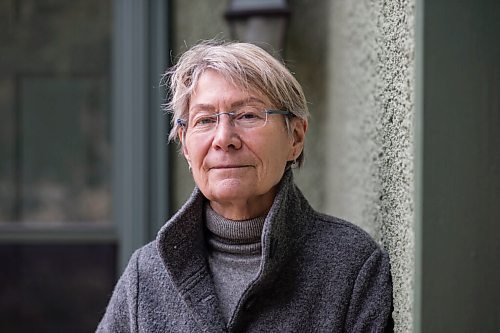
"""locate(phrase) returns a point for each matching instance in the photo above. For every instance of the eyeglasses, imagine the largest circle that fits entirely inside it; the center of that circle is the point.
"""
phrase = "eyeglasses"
(245, 117)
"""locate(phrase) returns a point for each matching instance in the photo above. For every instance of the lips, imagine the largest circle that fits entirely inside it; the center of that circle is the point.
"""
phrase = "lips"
(230, 166)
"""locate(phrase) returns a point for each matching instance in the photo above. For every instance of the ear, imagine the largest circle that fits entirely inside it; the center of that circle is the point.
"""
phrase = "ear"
(299, 129)
(185, 152)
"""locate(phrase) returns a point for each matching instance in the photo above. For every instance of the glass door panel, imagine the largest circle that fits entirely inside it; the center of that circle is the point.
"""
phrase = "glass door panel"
(55, 165)
(64, 151)
(55, 150)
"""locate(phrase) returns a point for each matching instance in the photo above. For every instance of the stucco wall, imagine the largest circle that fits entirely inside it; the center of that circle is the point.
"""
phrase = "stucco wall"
(369, 131)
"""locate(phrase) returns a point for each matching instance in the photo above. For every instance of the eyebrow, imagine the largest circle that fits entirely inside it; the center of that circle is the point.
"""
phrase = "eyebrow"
(246, 101)
(235, 104)
(202, 106)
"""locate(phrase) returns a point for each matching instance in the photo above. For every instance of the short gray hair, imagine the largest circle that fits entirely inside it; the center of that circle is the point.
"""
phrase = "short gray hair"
(245, 65)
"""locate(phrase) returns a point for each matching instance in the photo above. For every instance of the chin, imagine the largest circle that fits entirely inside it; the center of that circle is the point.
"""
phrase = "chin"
(230, 191)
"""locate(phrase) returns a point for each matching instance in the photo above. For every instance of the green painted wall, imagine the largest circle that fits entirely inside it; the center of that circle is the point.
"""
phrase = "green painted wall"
(460, 201)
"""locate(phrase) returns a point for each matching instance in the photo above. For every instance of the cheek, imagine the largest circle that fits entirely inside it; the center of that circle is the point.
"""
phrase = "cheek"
(195, 152)
(274, 156)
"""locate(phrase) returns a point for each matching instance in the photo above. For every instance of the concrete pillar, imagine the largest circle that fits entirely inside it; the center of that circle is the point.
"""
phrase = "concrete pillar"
(369, 131)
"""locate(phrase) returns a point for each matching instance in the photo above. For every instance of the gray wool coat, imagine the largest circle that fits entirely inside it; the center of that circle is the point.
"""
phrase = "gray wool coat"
(318, 274)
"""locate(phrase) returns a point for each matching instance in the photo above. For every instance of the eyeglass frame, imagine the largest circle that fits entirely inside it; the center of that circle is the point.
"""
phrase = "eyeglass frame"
(183, 123)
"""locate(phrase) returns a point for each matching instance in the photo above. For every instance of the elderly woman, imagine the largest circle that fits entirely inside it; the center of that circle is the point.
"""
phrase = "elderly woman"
(246, 252)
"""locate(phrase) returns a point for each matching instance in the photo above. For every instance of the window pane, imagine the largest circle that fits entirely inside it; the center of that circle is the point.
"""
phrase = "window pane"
(55, 111)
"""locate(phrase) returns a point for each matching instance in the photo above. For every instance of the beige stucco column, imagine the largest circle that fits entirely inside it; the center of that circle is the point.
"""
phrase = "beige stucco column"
(369, 131)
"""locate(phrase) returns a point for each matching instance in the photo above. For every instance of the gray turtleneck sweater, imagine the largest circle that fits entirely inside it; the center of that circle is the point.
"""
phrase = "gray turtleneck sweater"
(234, 256)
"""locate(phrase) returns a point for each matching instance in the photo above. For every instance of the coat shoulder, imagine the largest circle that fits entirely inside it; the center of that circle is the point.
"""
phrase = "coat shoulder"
(339, 235)
(148, 259)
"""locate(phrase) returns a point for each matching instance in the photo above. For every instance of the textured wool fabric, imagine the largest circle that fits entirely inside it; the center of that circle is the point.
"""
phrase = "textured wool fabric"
(318, 274)
(234, 253)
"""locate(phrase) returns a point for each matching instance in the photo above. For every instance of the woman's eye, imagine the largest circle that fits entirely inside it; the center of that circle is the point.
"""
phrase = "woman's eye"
(249, 115)
(205, 121)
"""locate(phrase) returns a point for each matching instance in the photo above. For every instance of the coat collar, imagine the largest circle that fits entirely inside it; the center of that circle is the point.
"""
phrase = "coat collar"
(181, 245)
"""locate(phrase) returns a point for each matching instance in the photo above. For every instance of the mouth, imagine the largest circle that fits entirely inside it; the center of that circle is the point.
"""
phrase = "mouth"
(223, 167)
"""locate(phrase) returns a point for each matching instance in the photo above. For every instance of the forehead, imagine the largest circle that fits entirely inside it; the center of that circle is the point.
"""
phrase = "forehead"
(215, 89)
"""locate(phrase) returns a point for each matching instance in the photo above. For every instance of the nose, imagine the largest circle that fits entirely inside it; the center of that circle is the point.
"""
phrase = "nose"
(226, 137)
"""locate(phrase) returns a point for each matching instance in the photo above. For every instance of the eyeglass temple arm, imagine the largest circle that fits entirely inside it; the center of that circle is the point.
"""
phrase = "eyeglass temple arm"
(278, 112)
(181, 122)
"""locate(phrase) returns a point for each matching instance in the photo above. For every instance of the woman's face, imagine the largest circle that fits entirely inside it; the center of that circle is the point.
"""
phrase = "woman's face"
(237, 169)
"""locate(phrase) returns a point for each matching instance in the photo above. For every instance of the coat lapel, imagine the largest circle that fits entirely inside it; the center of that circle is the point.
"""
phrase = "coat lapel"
(181, 245)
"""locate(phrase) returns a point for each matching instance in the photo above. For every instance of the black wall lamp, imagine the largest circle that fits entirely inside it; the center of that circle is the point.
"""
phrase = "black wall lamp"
(262, 22)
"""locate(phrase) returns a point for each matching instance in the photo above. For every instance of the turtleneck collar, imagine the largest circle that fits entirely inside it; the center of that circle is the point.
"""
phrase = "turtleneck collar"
(184, 236)
(238, 237)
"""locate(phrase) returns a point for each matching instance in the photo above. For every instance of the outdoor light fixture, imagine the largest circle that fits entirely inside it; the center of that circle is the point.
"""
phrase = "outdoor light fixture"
(262, 22)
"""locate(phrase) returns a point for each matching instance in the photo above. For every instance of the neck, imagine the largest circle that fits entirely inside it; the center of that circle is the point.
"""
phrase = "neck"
(244, 209)
(237, 237)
